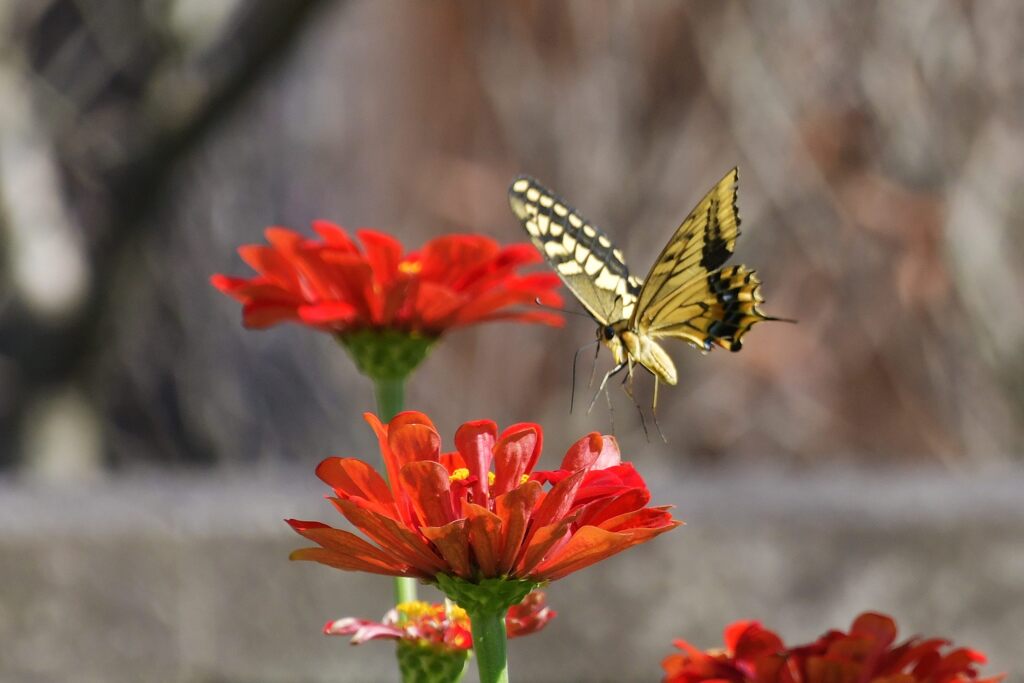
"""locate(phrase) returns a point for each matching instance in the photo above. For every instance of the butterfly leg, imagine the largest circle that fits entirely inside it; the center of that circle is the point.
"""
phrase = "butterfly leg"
(627, 386)
(643, 420)
(627, 381)
(611, 408)
(611, 373)
(654, 411)
(593, 366)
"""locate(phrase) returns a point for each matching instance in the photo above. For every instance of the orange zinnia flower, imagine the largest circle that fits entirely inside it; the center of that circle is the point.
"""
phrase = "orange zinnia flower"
(333, 285)
(449, 515)
(864, 655)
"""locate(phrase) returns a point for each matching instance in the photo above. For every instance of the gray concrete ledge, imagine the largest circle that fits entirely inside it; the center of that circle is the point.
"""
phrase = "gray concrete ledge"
(185, 577)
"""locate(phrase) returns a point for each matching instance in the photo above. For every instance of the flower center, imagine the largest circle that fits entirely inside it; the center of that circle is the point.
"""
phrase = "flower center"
(462, 473)
(410, 267)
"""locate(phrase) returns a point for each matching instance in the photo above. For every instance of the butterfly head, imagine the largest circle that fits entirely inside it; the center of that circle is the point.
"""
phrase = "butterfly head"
(610, 337)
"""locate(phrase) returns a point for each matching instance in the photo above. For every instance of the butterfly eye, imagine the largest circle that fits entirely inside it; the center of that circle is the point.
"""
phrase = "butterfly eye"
(608, 332)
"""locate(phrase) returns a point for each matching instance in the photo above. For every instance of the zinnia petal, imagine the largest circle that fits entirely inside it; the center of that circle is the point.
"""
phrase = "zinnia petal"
(452, 541)
(350, 477)
(429, 490)
(343, 550)
(542, 543)
(584, 453)
(591, 544)
(361, 630)
(514, 508)
(383, 252)
(484, 538)
(413, 442)
(475, 442)
(393, 535)
(514, 454)
(257, 316)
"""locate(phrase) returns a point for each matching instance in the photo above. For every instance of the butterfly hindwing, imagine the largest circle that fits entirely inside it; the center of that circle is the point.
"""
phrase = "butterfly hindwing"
(717, 309)
(580, 253)
(688, 294)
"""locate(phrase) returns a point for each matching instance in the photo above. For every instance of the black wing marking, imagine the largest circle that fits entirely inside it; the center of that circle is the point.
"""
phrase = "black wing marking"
(582, 255)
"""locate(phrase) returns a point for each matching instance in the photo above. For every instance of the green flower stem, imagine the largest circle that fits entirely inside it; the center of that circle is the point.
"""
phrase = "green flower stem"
(405, 589)
(487, 602)
(491, 645)
(390, 394)
(390, 397)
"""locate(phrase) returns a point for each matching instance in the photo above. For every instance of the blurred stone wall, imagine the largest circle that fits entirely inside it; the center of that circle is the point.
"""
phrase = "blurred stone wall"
(186, 580)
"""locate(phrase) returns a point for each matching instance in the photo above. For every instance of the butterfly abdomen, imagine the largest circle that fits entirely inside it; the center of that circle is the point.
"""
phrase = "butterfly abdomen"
(648, 353)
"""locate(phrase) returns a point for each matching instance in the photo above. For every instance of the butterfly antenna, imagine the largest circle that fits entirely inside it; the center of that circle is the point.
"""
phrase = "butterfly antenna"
(556, 309)
(572, 394)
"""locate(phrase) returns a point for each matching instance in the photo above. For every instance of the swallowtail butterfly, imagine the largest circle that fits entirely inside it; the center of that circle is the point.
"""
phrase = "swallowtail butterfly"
(689, 294)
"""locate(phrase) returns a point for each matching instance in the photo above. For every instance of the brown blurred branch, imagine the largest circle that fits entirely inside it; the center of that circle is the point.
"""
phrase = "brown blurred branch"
(112, 201)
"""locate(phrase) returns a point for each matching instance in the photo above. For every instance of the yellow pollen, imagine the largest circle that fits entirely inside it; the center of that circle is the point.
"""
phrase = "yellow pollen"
(414, 609)
(410, 267)
(459, 474)
(523, 479)
(490, 478)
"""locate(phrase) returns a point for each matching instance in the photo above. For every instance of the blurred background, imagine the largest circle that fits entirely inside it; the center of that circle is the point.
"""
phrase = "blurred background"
(868, 457)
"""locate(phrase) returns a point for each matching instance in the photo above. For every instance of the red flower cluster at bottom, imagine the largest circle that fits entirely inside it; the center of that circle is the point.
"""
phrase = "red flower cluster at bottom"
(866, 654)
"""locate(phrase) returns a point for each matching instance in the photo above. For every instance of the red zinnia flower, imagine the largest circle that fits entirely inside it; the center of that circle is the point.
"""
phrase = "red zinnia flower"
(333, 285)
(441, 625)
(750, 652)
(450, 515)
(864, 655)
